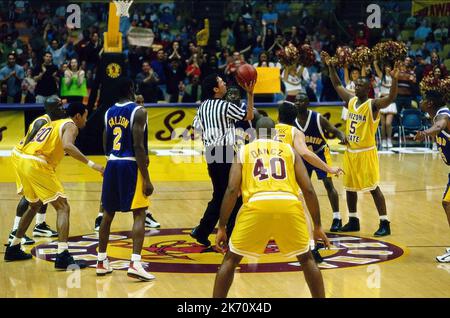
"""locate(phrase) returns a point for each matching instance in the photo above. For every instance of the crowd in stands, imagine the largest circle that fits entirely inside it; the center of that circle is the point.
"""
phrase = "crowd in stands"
(40, 56)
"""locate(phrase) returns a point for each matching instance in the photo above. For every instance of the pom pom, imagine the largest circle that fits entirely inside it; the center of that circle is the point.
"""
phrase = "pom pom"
(289, 56)
(343, 56)
(307, 57)
(362, 56)
(389, 52)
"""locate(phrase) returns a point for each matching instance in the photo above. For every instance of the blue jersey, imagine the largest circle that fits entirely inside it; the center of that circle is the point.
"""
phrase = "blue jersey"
(314, 137)
(443, 138)
(119, 130)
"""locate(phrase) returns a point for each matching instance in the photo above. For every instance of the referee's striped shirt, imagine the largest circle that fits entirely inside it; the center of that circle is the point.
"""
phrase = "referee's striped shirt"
(216, 119)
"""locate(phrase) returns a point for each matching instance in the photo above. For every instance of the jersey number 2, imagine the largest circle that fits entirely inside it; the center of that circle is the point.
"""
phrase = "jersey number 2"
(117, 132)
(277, 169)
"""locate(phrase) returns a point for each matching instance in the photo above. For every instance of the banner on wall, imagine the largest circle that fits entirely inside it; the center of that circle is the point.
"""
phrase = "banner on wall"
(431, 8)
(268, 81)
(173, 125)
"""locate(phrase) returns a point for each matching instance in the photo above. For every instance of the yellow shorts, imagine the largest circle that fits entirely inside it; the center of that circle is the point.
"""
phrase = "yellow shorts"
(446, 197)
(37, 179)
(19, 186)
(263, 219)
(362, 170)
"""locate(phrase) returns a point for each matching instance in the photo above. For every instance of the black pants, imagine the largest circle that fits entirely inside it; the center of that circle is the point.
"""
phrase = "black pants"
(219, 173)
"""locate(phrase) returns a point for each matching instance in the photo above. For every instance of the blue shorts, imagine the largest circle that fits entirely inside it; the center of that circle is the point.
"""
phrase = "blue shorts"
(122, 188)
(446, 197)
(326, 157)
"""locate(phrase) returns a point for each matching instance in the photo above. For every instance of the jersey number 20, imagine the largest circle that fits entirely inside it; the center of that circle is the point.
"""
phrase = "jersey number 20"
(277, 169)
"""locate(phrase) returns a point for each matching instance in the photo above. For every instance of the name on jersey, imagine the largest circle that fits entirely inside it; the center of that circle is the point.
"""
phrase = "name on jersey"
(264, 151)
(356, 117)
(118, 121)
(313, 140)
(441, 141)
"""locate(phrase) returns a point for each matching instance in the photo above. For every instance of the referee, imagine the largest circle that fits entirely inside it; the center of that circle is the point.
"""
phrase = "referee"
(216, 120)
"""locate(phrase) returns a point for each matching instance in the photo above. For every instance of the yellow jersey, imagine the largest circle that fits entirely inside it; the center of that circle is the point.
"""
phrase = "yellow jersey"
(285, 133)
(267, 166)
(19, 146)
(47, 144)
(361, 127)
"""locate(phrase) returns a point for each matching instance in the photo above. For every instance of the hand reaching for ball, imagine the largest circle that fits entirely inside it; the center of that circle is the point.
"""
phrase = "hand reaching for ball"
(249, 86)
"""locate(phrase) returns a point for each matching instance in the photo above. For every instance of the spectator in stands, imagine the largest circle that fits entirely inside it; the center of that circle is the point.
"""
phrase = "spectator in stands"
(435, 62)
(28, 86)
(46, 77)
(268, 38)
(263, 61)
(406, 85)
(58, 53)
(422, 31)
(3, 93)
(232, 67)
(73, 85)
(419, 67)
(431, 44)
(441, 33)
(93, 49)
(160, 67)
(270, 18)
(175, 51)
(209, 67)
(193, 91)
(147, 83)
(175, 76)
(193, 68)
(12, 75)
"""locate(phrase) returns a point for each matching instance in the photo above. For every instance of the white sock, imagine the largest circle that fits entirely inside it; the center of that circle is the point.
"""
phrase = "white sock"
(337, 215)
(40, 218)
(15, 241)
(135, 257)
(101, 256)
(100, 214)
(62, 246)
(353, 215)
(384, 218)
(16, 222)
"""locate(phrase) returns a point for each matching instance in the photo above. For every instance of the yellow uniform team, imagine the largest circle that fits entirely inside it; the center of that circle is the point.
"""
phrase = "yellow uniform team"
(361, 163)
(270, 195)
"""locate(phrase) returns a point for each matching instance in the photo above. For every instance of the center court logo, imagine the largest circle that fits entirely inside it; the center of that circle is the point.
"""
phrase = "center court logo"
(174, 251)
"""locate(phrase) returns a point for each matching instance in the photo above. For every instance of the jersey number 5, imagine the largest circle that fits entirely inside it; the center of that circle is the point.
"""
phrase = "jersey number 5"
(117, 132)
(352, 127)
(277, 169)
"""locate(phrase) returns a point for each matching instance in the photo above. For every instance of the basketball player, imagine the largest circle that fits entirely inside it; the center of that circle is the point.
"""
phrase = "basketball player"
(126, 182)
(268, 174)
(150, 221)
(434, 104)
(315, 126)
(54, 109)
(361, 157)
(35, 167)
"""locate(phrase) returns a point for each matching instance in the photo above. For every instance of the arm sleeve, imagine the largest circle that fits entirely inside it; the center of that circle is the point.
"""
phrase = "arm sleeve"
(235, 112)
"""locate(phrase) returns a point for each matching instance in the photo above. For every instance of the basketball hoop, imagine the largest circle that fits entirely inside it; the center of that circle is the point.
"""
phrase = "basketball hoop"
(122, 7)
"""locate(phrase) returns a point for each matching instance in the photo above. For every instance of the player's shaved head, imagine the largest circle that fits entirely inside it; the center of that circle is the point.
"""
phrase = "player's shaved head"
(287, 112)
(265, 127)
(54, 108)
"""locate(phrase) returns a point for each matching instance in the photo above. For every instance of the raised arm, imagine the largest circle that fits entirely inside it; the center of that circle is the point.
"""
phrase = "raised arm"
(138, 130)
(312, 203)
(384, 102)
(301, 148)
(69, 134)
(377, 69)
(344, 94)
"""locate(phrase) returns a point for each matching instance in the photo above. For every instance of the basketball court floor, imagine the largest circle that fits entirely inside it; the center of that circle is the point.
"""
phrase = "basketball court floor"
(359, 265)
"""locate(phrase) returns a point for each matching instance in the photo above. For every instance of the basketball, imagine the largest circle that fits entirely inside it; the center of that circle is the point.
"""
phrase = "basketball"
(245, 74)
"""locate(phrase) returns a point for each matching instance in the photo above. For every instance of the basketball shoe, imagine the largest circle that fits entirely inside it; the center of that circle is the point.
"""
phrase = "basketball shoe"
(351, 226)
(384, 229)
(103, 267)
(43, 230)
(25, 239)
(150, 221)
(336, 225)
(137, 271)
(15, 253)
(64, 260)
(444, 258)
